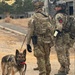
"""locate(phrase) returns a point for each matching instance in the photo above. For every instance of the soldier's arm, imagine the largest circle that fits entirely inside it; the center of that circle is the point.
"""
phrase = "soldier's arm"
(30, 31)
(60, 21)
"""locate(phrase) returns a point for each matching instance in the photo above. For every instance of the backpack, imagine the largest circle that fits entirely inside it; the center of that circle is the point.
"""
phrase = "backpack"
(70, 26)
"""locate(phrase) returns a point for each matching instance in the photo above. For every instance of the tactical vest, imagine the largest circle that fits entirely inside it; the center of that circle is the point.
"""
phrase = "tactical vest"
(69, 25)
(42, 29)
(41, 26)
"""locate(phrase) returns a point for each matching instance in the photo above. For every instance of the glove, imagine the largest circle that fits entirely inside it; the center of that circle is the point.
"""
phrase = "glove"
(29, 48)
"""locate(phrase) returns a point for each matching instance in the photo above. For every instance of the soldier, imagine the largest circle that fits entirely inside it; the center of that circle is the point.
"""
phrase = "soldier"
(62, 39)
(41, 34)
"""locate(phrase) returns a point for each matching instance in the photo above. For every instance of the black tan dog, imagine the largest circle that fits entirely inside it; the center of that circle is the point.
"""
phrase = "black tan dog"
(11, 64)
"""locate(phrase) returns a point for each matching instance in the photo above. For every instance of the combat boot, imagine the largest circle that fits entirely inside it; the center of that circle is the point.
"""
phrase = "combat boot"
(61, 74)
(64, 70)
(47, 73)
(36, 68)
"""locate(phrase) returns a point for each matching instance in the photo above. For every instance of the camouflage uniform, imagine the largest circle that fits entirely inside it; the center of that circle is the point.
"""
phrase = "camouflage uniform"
(62, 43)
(39, 25)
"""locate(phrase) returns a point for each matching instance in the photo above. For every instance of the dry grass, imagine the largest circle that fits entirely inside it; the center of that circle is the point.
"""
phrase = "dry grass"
(22, 22)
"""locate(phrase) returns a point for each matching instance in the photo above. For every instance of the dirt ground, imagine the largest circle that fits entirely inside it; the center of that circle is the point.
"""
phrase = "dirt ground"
(22, 22)
(9, 42)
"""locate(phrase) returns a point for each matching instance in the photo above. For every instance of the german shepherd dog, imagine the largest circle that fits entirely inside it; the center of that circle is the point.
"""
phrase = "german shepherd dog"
(10, 64)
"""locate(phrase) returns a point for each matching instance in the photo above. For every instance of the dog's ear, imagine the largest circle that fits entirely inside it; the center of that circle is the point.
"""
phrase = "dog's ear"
(17, 51)
(24, 52)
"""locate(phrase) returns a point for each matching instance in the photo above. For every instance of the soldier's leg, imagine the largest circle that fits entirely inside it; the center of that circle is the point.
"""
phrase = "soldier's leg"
(47, 59)
(67, 59)
(40, 55)
(63, 59)
(41, 65)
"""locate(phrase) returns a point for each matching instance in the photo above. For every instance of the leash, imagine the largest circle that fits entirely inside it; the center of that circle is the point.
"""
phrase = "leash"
(25, 66)
(74, 60)
(23, 43)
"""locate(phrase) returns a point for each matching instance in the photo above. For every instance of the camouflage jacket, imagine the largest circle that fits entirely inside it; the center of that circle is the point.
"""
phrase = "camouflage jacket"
(39, 25)
(60, 21)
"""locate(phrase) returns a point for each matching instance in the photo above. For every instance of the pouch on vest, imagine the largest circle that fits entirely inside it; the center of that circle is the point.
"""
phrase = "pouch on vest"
(70, 26)
(34, 39)
(72, 29)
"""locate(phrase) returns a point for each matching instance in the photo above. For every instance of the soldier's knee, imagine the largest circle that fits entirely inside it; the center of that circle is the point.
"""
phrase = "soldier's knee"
(38, 53)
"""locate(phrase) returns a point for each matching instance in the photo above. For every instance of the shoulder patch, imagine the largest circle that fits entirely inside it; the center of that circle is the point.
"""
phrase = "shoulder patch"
(60, 20)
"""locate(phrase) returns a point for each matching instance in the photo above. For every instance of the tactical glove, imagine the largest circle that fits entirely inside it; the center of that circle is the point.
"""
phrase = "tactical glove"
(29, 48)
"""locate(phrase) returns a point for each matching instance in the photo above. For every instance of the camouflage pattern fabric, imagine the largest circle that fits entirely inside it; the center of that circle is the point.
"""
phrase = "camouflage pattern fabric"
(38, 4)
(60, 20)
(40, 26)
(62, 43)
(62, 47)
(42, 52)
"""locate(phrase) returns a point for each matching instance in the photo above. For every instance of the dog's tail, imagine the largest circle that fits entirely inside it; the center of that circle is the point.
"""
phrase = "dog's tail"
(3, 67)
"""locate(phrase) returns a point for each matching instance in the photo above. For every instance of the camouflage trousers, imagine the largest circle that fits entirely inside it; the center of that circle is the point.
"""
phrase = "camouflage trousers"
(42, 52)
(62, 50)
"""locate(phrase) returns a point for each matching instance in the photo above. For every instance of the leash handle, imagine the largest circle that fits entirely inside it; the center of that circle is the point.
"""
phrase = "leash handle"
(25, 67)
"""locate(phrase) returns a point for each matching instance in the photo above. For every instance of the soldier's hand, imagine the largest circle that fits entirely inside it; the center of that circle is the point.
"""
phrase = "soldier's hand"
(29, 48)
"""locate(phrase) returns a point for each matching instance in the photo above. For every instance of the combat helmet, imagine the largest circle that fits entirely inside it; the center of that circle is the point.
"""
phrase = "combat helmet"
(61, 4)
(38, 3)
